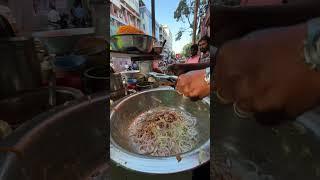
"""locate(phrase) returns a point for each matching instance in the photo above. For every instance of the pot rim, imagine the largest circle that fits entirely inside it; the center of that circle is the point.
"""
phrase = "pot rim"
(20, 137)
(86, 73)
(17, 138)
(158, 165)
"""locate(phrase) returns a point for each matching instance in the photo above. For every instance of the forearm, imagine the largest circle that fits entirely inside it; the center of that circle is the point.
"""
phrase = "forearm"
(193, 67)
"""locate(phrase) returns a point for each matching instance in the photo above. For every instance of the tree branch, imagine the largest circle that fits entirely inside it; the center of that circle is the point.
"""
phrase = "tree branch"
(189, 22)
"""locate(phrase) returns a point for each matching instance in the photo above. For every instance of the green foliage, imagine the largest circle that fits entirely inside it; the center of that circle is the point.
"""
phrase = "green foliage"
(185, 14)
(181, 31)
(186, 50)
(182, 11)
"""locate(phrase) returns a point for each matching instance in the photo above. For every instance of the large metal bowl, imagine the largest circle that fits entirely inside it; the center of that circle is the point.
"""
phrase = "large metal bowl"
(24, 106)
(123, 113)
(132, 43)
(247, 149)
(62, 41)
(68, 142)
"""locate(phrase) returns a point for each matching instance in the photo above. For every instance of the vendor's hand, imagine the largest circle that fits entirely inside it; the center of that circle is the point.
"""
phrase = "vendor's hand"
(265, 72)
(176, 69)
(193, 84)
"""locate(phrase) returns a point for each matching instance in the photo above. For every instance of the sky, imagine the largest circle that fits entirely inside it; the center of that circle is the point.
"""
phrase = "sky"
(164, 10)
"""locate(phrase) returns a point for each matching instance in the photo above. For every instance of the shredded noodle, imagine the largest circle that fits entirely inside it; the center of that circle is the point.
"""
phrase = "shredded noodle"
(163, 132)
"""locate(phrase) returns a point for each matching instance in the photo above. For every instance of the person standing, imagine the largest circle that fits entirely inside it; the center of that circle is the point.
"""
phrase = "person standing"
(194, 55)
(204, 49)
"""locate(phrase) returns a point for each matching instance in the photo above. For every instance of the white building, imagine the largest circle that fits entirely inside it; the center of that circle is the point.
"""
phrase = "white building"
(146, 21)
(165, 34)
(124, 12)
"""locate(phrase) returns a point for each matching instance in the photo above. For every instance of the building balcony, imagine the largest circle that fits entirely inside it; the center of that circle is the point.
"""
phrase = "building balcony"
(118, 19)
(130, 10)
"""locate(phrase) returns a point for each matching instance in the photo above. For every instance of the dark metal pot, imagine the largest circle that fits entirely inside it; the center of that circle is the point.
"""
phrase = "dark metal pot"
(24, 106)
(68, 142)
(19, 69)
(246, 149)
(96, 79)
(145, 85)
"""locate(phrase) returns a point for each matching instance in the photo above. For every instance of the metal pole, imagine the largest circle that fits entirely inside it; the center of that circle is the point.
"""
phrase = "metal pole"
(195, 20)
(153, 19)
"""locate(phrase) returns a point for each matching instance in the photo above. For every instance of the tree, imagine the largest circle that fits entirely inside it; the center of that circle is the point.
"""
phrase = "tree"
(186, 50)
(185, 13)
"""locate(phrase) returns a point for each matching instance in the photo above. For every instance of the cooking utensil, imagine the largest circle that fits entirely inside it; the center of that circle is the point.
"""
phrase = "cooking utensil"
(117, 86)
(164, 43)
(134, 74)
(67, 141)
(19, 68)
(20, 108)
(158, 49)
(96, 79)
(116, 82)
(161, 77)
(145, 85)
(126, 110)
(145, 66)
(247, 149)
(62, 41)
(132, 43)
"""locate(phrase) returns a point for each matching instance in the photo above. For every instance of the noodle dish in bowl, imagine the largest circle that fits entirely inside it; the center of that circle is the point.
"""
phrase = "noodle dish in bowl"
(158, 131)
